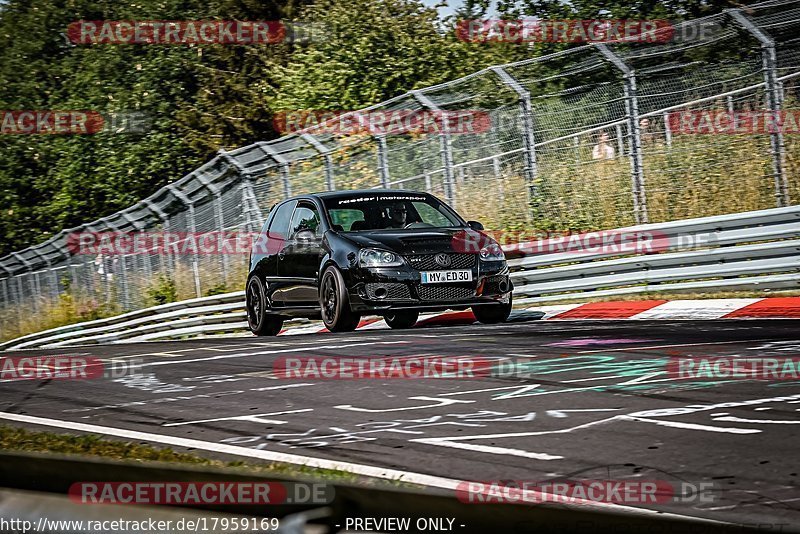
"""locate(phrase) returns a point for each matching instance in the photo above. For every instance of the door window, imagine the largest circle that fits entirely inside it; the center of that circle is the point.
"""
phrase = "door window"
(279, 228)
(305, 217)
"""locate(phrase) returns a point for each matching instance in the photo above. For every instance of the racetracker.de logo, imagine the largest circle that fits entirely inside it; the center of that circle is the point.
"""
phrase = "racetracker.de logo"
(64, 367)
(734, 368)
(576, 492)
(564, 31)
(407, 367)
(50, 122)
(710, 122)
(195, 32)
(383, 122)
(200, 493)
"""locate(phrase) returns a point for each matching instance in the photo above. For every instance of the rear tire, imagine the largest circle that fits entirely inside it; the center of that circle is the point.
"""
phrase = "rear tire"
(258, 320)
(492, 313)
(334, 303)
(401, 319)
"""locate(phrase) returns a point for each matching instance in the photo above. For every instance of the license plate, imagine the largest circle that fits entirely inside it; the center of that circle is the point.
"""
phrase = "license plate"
(439, 277)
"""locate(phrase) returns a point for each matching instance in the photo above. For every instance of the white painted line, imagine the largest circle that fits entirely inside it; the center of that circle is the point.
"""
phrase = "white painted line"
(652, 347)
(693, 426)
(253, 417)
(492, 450)
(308, 461)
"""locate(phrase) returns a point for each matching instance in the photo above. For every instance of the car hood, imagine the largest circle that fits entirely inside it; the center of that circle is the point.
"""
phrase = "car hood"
(421, 241)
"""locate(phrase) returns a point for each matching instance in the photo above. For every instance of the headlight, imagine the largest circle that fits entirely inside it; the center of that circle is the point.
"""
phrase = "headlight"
(492, 252)
(372, 257)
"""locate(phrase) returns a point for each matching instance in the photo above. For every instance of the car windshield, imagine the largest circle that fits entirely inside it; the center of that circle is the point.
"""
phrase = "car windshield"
(378, 211)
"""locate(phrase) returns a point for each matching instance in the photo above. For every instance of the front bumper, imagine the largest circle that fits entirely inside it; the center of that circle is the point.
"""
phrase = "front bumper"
(379, 290)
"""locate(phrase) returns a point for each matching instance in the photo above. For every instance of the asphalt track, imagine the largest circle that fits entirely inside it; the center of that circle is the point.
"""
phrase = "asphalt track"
(593, 405)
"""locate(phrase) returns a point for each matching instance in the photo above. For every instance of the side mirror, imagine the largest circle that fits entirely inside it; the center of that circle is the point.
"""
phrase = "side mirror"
(305, 236)
(475, 225)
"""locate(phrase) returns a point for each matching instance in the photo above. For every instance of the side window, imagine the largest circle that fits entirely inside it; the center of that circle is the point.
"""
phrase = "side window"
(305, 217)
(279, 228)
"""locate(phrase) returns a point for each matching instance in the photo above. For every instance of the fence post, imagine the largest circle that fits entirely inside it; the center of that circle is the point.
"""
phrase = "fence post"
(383, 161)
(446, 148)
(219, 216)
(283, 165)
(177, 193)
(531, 168)
(774, 101)
(667, 130)
(325, 152)
(635, 141)
(6, 301)
(380, 141)
(165, 221)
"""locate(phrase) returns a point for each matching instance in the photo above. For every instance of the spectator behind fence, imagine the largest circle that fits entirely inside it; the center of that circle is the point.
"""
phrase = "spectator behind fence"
(603, 150)
(645, 133)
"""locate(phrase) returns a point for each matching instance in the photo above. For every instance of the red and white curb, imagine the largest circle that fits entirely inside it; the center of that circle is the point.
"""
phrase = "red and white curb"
(700, 309)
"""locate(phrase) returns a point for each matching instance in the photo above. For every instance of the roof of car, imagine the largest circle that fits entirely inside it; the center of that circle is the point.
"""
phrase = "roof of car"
(347, 193)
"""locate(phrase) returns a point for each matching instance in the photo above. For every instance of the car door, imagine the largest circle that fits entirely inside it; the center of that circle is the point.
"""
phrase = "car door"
(298, 261)
(277, 237)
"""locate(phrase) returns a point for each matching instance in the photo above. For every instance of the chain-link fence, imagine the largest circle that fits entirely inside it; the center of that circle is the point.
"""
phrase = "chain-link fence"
(594, 137)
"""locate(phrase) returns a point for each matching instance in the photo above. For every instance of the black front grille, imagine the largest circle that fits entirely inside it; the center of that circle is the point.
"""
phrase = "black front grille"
(394, 291)
(444, 293)
(427, 262)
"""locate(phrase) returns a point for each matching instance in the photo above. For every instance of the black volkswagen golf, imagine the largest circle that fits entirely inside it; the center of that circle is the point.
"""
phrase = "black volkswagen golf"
(344, 254)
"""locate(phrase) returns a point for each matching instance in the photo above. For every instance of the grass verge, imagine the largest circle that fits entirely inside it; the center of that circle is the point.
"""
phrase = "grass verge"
(20, 439)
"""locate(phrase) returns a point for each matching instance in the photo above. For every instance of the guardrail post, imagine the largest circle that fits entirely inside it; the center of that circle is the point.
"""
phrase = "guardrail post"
(774, 95)
(325, 152)
(446, 147)
(635, 140)
(193, 229)
(531, 168)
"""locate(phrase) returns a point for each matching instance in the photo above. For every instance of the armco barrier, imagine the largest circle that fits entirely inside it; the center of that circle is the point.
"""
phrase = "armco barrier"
(370, 498)
(756, 250)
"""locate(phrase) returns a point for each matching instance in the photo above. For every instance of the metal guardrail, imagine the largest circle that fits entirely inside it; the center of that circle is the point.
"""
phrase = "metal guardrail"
(54, 474)
(755, 250)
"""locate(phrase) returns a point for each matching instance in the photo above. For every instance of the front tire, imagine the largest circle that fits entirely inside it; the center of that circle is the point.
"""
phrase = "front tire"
(492, 313)
(335, 304)
(258, 320)
(401, 319)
